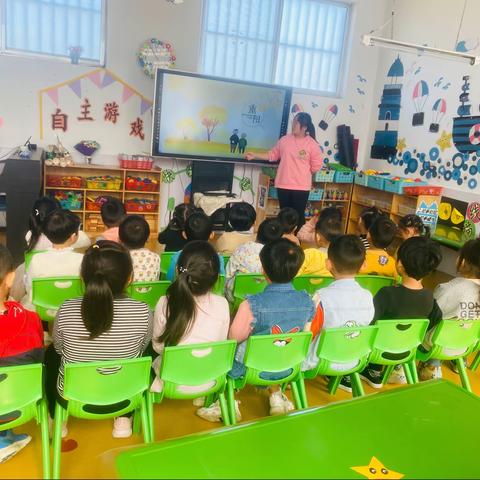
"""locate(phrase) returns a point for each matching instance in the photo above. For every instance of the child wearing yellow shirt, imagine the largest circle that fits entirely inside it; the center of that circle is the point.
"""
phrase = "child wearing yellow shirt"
(327, 229)
(377, 261)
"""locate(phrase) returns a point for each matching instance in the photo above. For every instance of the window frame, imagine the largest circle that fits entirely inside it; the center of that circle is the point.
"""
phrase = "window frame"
(344, 54)
(11, 52)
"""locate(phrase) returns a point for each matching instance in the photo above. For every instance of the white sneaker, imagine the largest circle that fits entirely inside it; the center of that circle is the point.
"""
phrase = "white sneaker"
(213, 413)
(398, 376)
(11, 444)
(122, 427)
(64, 428)
(199, 402)
(280, 404)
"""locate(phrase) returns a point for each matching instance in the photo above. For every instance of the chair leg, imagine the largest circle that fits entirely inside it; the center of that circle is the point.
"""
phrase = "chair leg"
(144, 417)
(463, 374)
(475, 362)
(231, 401)
(413, 370)
(355, 379)
(224, 408)
(408, 373)
(333, 384)
(387, 373)
(45, 440)
(57, 440)
(296, 396)
(149, 400)
(303, 391)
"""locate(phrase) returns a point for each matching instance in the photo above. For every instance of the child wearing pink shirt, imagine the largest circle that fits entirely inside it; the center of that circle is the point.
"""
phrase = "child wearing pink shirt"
(300, 156)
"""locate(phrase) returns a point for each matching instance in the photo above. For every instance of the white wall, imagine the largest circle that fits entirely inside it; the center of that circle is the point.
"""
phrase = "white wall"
(129, 23)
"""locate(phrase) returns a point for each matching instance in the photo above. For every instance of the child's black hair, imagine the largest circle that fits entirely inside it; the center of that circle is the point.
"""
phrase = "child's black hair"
(269, 230)
(382, 232)
(329, 227)
(332, 212)
(198, 227)
(197, 272)
(347, 253)
(241, 216)
(41, 208)
(6, 263)
(180, 214)
(134, 232)
(281, 260)
(369, 215)
(419, 256)
(415, 222)
(106, 270)
(60, 225)
(289, 218)
(469, 255)
(305, 120)
(112, 212)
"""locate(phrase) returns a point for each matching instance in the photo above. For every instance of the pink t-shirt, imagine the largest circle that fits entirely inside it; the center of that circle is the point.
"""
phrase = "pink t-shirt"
(299, 159)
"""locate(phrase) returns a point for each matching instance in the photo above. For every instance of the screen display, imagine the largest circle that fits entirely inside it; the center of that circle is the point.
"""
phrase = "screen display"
(207, 118)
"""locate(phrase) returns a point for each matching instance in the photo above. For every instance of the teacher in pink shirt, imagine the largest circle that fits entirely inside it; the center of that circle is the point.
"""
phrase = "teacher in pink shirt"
(300, 156)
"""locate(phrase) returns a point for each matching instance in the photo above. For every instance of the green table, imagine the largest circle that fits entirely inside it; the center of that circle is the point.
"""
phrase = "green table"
(426, 430)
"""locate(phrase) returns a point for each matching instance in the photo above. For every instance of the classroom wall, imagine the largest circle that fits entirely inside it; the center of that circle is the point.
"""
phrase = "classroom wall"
(128, 25)
(432, 156)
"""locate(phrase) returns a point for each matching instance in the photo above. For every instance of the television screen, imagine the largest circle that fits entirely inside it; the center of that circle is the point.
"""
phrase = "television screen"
(209, 118)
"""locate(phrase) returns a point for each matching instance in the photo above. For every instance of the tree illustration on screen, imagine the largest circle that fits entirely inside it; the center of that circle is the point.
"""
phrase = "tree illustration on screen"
(211, 117)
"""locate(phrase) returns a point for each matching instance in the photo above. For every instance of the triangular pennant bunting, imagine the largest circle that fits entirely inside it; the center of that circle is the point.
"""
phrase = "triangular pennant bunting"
(76, 88)
(53, 94)
(107, 80)
(95, 77)
(144, 106)
(127, 93)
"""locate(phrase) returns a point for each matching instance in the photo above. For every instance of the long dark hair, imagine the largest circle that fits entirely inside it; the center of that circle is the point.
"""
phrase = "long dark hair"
(40, 210)
(197, 272)
(180, 214)
(106, 270)
(305, 120)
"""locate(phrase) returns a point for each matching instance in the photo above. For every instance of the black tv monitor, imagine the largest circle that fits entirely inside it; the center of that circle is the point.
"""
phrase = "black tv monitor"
(200, 117)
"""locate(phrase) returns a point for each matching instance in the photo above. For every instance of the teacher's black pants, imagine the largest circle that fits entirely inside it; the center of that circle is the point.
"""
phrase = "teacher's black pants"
(296, 199)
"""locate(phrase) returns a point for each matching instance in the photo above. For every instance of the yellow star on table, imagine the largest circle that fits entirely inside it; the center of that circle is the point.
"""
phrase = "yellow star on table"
(401, 145)
(445, 141)
(376, 470)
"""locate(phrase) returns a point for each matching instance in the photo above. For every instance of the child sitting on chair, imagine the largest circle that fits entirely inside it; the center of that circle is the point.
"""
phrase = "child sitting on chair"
(377, 260)
(412, 226)
(21, 336)
(241, 217)
(172, 237)
(288, 217)
(279, 308)
(344, 303)
(112, 212)
(306, 234)
(326, 230)
(133, 233)
(417, 258)
(365, 221)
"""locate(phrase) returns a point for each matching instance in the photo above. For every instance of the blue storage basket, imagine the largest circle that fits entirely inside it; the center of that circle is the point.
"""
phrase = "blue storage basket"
(272, 193)
(397, 186)
(315, 194)
(324, 176)
(361, 179)
(376, 181)
(344, 176)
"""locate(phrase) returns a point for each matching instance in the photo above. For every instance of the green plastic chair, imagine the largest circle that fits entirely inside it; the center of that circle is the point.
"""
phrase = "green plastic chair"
(284, 352)
(226, 259)
(396, 343)
(348, 348)
(373, 283)
(48, 294)
(247, 284)
(453, 340)
(29, 255)
(203, 366)
(311, 283)
(165, 260)
(148, 292)
(123, 385)
(21, 395)
(219, 286)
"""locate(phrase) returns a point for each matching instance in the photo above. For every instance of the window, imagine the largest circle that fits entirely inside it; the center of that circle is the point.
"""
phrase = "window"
(299, 43)
(55, 28)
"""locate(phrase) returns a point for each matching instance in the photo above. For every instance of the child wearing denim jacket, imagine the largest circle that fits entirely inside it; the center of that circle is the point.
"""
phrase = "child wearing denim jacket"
(279, 308)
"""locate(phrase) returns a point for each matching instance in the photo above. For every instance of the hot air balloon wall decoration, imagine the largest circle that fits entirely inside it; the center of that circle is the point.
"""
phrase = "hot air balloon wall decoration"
(420, 97)
(330, 113)
(438, 112)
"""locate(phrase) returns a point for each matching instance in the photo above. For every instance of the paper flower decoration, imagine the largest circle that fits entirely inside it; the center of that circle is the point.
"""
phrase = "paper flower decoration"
(87, 148)
(155, 54)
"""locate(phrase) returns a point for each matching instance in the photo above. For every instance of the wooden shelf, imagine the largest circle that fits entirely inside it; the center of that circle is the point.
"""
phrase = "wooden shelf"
(142, 192)
(65, 188)
(142, 213)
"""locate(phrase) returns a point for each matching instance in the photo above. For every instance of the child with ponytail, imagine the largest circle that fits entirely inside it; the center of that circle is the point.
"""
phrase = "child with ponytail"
(190, 313)
(300, 156)
(104, 324)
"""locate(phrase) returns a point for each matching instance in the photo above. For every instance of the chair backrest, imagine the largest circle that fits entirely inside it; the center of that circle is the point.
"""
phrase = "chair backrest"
(48, 294)
(20, 389)
(219, 287)
(344, 349)
(202, 365)
(117, 383)
(248, 284)
(311, 283)
(148, 292)
(396, 341)
(373, 283)
(275, 354)
(165, 260)
(29, 255)
(226, 259)
(455, 338)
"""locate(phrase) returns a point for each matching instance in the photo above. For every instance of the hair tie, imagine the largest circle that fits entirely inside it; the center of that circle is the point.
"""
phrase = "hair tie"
(95, 246)
(37, 213)
(183, 269)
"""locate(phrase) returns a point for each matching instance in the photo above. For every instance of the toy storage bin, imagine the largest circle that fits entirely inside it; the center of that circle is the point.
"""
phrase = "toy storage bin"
(361, 179)
(376, 181)
(343, 176)
(272, 193)
(397, 186)
(324, 176)
(315, 194)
